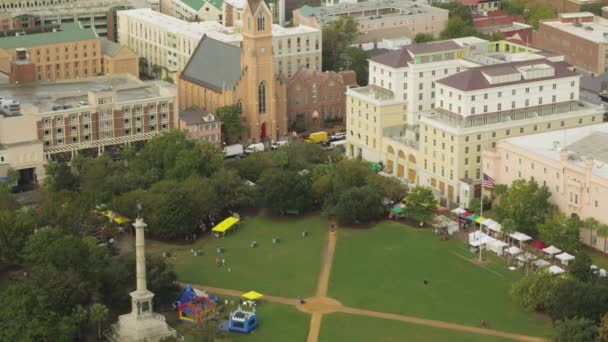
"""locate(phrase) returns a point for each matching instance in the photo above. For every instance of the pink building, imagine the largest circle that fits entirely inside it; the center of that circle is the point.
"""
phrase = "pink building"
(572, 163)
(201, 126)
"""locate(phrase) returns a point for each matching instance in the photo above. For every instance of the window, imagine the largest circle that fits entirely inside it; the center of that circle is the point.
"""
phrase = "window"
(521, 130)
(554, 86)
(262, 98)
(527, 90)
(261, 22)
(485, 96)
(508, 132)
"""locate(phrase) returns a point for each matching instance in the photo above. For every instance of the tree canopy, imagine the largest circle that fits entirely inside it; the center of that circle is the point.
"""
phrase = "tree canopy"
(358, 205)
(456, 27)
(338, 35)
(232, 121)
(575, 329)
(421, 203)
(562, 231)
(423, 38)
(537, 12)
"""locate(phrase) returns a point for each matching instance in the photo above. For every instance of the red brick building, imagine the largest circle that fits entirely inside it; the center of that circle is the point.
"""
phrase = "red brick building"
(313, 96)
(507, 25)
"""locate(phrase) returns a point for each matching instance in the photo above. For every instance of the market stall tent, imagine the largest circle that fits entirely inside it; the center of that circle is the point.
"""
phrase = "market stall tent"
(552, 250)
(555, 269)
(541, 263)
(521, 237)
(514, 250)
(565, 258)
(225, 226)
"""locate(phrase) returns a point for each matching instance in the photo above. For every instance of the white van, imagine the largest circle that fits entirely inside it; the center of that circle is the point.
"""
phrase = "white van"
(278, 144)
(259, 147)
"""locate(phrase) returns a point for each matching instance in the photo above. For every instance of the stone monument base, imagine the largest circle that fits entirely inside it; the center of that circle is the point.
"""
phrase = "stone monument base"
(149, 329)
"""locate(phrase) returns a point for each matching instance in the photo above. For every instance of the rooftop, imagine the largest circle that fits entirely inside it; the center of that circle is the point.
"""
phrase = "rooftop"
(595, 31)
(67, 33)
(589, 142)
(524, 71)
(376, 92)
(109, 48)
(198, 4)
(401, 57)
(39, 98)
(193, 116)
(382, 8)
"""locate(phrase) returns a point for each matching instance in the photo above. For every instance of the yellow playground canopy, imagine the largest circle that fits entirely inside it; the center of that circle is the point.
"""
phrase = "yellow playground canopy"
(252, 295)
(225, 225)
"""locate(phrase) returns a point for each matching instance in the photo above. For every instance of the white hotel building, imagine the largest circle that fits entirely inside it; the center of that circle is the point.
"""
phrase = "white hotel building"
(169, 42)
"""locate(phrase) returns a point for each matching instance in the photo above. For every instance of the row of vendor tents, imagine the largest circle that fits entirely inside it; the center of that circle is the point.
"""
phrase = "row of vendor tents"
(479, 239)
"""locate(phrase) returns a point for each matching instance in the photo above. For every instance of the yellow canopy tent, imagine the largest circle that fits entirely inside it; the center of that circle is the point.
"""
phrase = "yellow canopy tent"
(225, 225)
(480, 219)
(252, 295)
(121, 220)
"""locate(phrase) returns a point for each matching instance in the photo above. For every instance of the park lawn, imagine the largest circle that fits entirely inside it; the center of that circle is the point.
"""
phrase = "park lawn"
(600, 259)
(353, 328)
(278, 322)
(289, 268)
(383, 269)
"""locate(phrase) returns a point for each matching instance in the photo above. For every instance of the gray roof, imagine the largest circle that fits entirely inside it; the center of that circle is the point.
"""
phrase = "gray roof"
(594, 145)
(395, 58)
(595, 84)
(421, 49)
(109, 47)
(191, 116)
(214, 64)
(501, 71)
(473, 79)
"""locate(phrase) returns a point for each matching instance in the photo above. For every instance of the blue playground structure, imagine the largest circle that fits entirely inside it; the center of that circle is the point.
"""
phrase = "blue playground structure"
(243, 321)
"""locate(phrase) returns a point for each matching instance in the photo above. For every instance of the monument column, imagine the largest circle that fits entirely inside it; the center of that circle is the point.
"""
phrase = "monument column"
(140, 254)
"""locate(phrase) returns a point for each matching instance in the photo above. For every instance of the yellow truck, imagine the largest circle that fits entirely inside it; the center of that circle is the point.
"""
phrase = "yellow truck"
(317, 137)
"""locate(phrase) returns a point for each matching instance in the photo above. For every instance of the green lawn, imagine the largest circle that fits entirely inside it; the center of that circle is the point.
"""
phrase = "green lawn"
(600, 259)
(351, 328)
(383, 269)
(278, 323)
(288, 269)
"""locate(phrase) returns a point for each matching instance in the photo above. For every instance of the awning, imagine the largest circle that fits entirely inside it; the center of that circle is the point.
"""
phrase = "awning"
(480, 219)
(225, 225)
(552, 250)
(497, 227)
(520, 237)
(252, 295)
(458, 211)
(472, 217)
(514, 250)
(565, 257)
(465, 214)
(538, 244)
(556, 270)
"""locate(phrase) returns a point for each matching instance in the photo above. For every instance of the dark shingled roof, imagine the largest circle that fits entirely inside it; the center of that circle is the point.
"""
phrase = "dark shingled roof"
(473, 79)
(214, 64)
(109, 47)
(421, 49)
(395, 58)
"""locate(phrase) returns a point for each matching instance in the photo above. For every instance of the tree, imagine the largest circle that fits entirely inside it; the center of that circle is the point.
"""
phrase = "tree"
(98, 313)
(581, 267)
(573, 298)
(60, 177)
(284, 190)
(537, 12)
(475, 204)
(338, 35)
(280, 158)
(350, 173)
(457, 28)
(251, 168)
(156, 70)
(423, 38)
(562, 231)
(513, 7)
(421, 203)
(388, 187)
(357, 61)
(230, 190)
(15, 229)
(359, 205)
(603, 329)
(574, 330)
(232, 121)
(533, 291)
(7, 200)
(143, 65)
(508, 226)
(80, 315)
(457, 10)
(526, 203)
(595, 8)
(301, 155)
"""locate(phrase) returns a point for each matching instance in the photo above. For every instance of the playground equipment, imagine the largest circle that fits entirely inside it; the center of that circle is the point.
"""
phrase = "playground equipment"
(243, 321)
(194, 306)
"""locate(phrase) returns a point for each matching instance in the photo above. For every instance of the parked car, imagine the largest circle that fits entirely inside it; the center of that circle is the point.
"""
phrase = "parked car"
(259, 147)
(337, 136)
(233, 151)
(278, 144)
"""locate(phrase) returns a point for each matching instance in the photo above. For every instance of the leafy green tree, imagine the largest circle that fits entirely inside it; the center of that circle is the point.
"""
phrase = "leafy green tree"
(359, 205)
(388, 187)
(15, 229)
(232, 121)
(60, 177)
(230, 190)
(349, 174)
(603, 329)
(457, 28)
(81, 316)
(7, 200)
(533, 291)
(562, 231)
(338, 35)
(513, 7)
(595, 8)
(423, 38)
(508, 226)
(357, 60)
(251, 168)
(72, 211)
(573, 298)
(574, 330)
(457, 10)
(280, 158)
(301, 155)
(421, 203)
(538, 12)
(581, 267)
(284, 190)
(527, 204)
(98, 313)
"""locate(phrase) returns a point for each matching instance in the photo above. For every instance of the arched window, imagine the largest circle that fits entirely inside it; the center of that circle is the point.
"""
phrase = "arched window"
(262, 98)
(260, 22)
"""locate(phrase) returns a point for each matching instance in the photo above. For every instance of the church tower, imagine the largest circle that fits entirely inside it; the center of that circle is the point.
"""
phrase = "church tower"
(260, 105)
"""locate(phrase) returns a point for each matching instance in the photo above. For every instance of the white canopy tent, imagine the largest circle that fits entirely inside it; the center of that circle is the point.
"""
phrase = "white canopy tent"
(552, 250)
(492, 225)
(565, 258)
(541, 263)
(514, 250)
(453, 227)
(526, 257)
(603, 272)
(555, 269)
(496, 246)
(521, 237)
(458, 211)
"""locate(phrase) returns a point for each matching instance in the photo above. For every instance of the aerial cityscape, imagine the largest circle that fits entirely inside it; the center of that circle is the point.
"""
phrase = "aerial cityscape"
(304, 170)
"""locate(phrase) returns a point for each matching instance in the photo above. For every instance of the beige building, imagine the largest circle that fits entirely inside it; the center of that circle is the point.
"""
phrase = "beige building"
(378, 19)
(170, 42)
(55, 120)
(65, 53)
(570, 162)
(194, 10)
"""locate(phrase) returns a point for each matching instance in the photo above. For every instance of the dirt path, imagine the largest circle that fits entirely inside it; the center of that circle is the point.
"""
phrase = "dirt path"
(326, 263)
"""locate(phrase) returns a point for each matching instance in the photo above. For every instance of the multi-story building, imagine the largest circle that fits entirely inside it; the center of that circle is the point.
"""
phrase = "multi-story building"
(580, 37)
(194, 10)
(67, 52)
(54, 120)
(23, 14)
(169, 42)
(481, 6)
(509, 26)
(571, 163)
(313, 96)
(379, 19)
(201, 126)
(566, 6)
(477, 107)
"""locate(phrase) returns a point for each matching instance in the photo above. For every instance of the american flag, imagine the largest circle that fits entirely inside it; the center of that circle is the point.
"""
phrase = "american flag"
(487, 182)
